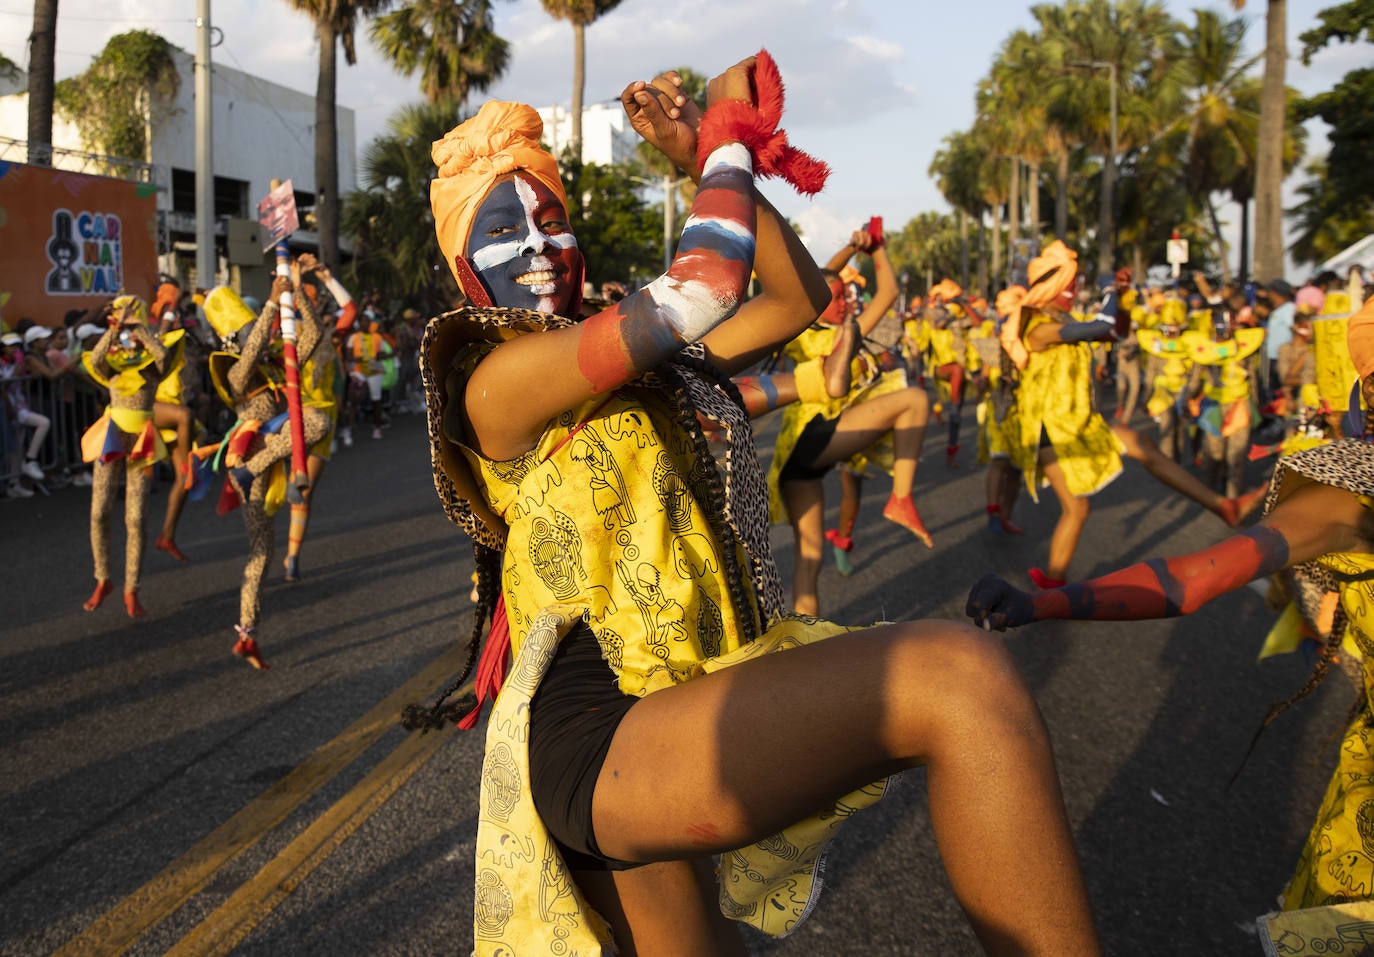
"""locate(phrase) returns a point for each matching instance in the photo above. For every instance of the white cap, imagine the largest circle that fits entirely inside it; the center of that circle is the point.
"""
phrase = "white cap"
(34, 333)
(10, 339)
(88, 329)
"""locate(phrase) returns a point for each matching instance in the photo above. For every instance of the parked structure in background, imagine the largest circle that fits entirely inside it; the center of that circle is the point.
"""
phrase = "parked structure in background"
(262, 131)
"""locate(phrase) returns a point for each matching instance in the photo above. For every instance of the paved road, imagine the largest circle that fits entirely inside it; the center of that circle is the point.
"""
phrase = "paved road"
(159, 796)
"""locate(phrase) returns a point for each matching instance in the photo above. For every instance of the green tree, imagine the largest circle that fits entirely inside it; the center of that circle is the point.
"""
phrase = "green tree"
(619, 242)
(1138, 42)
(389, 217)
(956, 169)
(1338, 201)
(581, 14)
(450, 42)
(674, 182)
(42, 80)
(335, 21)
(926, 249)
(112, 103)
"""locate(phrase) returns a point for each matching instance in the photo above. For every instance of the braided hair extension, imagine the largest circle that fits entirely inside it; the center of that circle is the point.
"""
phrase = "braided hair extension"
(714, 501)
(417, 717)
(1320, 670)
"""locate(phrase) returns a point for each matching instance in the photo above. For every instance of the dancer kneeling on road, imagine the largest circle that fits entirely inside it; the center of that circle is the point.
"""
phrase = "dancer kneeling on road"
(660, 706)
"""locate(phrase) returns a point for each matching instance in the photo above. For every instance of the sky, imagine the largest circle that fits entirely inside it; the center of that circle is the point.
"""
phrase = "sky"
(873, 86)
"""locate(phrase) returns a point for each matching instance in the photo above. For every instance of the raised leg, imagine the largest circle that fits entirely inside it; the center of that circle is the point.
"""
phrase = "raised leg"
(805, 503)
(680, 781)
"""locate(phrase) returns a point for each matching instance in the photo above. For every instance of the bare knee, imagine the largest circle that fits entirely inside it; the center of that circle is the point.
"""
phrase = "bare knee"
(954, 684)
(917, 403)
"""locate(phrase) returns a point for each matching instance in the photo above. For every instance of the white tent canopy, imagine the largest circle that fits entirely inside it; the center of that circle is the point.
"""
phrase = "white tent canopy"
(1358, 254)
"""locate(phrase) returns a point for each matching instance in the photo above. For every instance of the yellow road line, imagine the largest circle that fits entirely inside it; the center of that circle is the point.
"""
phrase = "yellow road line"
(247, 907)
(131, 918)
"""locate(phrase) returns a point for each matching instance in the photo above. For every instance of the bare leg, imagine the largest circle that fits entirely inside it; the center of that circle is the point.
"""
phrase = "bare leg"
(167, 416)
(934, 694)
(805, 503)
(1073, 514)
(852, 487)
(632, 903)
(1231, 509)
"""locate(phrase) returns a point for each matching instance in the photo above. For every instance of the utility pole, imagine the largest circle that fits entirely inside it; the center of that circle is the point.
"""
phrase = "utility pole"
(205, 176)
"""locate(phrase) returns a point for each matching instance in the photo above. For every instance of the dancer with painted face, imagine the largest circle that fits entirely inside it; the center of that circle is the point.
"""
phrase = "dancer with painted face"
(879, 419)
(257, 447)
(633, 594)
(1064, 441)
(1318, 535)
(130, 361)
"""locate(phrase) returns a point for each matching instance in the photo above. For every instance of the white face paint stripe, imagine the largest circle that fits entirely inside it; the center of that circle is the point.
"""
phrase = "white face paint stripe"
(498, 253)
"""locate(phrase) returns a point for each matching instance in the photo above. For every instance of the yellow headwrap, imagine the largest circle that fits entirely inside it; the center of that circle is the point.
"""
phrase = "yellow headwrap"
(132, 306)
(1359, 337)
(501, 138)
(1050, 273)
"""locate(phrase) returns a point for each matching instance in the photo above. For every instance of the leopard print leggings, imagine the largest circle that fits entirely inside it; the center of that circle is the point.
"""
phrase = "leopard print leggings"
(104, 487)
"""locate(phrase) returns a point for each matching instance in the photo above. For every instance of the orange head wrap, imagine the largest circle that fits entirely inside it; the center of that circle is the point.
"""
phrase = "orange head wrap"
(946, 289)
(1050, 273)
(501, 138)
(849, 274)
(1359, 336)
(1009, 300)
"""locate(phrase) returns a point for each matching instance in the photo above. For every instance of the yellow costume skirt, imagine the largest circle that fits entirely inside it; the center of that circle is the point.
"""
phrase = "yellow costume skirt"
(526, 901)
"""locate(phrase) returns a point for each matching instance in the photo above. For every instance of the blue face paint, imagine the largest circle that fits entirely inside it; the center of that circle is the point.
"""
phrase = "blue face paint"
(522, 248)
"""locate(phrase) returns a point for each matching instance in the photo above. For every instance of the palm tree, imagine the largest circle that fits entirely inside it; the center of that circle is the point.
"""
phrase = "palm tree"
(956, 169)
(335, 21)
(42, 80)
(1092, 41)
(451, 43)
(655, 163)
(390, 217)
(1269, 173)
(581, 14)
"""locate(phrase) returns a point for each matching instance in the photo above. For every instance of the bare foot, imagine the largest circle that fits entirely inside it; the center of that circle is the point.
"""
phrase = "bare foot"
(132, 606)
(167, 545)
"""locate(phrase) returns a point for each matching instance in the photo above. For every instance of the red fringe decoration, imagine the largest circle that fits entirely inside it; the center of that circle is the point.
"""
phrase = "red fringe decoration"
(734, 121)
(491, 667)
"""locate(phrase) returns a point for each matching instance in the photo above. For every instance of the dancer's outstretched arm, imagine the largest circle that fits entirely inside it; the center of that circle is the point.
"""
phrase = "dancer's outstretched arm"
(1313, 521)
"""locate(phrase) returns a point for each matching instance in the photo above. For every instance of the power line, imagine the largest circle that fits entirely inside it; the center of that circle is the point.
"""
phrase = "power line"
(64, 17)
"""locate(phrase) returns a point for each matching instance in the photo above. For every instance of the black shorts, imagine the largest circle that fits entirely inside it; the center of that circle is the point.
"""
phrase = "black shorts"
(815, 436)
(573, 717)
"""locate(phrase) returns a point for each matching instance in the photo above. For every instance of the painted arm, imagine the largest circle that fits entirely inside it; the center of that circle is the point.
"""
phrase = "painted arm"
(704, 285)
(154, 345)
(100, 350)
(766, 392)
(1049, 334)
(1313, 521)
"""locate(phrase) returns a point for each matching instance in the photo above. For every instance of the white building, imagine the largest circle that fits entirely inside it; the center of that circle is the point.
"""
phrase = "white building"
(260, 131)
(607, 137)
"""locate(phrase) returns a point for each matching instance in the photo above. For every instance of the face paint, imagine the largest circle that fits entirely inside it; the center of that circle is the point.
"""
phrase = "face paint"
(834, 312)
(522, 249)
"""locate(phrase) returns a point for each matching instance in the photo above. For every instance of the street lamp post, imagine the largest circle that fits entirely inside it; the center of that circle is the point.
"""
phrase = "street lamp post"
(1106, 222)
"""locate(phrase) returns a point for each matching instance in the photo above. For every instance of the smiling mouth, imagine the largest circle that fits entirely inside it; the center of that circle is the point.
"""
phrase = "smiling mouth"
(538, 277)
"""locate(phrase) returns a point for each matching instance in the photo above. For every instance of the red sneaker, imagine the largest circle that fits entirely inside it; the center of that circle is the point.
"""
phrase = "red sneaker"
(903, 512)
(132, 606)
(102, 591)
(1043, 580)
(170, 547)
(247, 648)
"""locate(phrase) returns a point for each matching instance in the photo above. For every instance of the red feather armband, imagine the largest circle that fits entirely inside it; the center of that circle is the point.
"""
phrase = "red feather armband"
(735, 121)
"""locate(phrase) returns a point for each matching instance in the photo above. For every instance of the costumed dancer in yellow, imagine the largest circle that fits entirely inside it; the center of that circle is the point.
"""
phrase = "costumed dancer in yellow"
(255, 450)
(1223, 388)
(880, 418)
(999, 428)
(639, 607)
(952, 356)
(130, 360)
(1318, 533)
(1167, 372)
(174, 420)
(1064, 441)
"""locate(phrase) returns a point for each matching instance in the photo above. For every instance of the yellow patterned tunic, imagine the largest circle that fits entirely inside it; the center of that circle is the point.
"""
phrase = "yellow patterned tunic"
(1056, 399)
(1328, 906)
(606, 526)
(866, 382)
